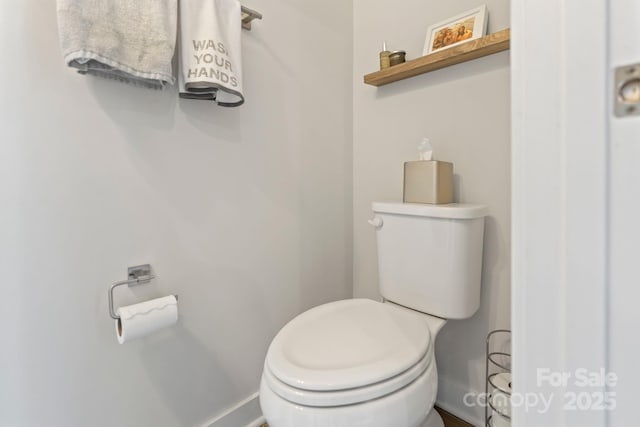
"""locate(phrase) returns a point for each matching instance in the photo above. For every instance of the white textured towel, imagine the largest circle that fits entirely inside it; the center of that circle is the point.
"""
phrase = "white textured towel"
(128, 40)
(210, 51)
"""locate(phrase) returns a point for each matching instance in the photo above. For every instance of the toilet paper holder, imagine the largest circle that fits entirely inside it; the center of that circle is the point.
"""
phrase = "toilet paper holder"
(137, 275)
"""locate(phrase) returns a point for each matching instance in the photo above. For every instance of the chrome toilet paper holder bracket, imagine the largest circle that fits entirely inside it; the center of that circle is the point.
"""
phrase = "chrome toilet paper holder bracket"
(137, 275)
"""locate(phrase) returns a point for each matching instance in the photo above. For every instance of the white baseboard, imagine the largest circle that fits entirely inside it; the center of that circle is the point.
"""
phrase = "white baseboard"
(451, 399)
(257, 422)
(245, 413)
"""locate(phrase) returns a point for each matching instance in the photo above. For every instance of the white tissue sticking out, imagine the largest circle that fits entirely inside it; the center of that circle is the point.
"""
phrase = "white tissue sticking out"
(425, 149)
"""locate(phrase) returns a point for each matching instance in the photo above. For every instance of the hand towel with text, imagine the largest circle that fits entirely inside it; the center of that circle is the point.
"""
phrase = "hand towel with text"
(211, 51)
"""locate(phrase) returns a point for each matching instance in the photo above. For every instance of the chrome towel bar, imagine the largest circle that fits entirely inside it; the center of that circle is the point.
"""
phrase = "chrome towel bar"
(248, 15)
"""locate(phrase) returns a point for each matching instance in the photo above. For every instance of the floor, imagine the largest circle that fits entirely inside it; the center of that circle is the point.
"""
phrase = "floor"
(449, 420)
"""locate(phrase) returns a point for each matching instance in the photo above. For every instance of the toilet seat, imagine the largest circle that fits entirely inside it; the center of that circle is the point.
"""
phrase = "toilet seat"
(348, 352)
(411, 406)
(349, 396)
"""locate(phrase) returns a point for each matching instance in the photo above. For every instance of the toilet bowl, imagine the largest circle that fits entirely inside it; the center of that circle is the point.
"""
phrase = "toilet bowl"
(353, 363)
(363, 363)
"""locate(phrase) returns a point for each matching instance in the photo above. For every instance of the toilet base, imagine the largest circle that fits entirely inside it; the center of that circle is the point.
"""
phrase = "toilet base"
(405, 408)
(433, 420)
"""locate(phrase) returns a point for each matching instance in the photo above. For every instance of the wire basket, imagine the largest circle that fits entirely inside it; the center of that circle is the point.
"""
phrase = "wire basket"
(498, 379)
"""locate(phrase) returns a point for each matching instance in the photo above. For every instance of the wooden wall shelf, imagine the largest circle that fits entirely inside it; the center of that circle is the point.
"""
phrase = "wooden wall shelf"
(488, 45)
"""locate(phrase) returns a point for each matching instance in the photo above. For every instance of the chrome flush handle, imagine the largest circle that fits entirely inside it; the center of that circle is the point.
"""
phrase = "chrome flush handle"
(376, 221)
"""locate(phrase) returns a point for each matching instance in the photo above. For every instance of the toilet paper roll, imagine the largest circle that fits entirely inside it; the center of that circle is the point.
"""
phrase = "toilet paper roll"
(138, 320)
(498, 421)
(502, 381)
(501, 402)
(501, 398)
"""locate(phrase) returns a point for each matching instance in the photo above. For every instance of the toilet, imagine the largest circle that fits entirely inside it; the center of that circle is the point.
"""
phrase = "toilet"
(363, 363)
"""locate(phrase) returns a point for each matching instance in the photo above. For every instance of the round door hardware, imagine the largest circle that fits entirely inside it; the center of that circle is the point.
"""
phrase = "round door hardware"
(630, 91)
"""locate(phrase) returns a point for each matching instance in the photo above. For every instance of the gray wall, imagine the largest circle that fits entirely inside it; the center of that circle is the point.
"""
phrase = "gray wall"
(465, 110)
(245, 213)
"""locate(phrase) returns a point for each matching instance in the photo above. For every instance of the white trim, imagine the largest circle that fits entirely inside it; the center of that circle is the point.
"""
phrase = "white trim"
(559, 215)
(245, 413)
(452, 391)
(624, 157)
(257, 422)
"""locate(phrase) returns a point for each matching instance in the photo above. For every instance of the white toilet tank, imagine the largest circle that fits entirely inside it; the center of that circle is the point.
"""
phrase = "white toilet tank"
(430, 256)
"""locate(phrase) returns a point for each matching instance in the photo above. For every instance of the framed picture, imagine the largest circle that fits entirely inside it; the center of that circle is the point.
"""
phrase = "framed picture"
(456, 30)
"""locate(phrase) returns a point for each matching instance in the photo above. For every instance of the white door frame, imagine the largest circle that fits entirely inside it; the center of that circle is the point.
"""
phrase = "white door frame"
(560, 217)
(624, 225)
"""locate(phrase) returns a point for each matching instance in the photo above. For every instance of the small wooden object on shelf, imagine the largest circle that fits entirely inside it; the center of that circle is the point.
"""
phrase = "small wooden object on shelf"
(488, 45)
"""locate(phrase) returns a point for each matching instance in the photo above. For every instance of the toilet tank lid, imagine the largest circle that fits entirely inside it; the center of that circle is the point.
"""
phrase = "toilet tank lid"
(451, 210)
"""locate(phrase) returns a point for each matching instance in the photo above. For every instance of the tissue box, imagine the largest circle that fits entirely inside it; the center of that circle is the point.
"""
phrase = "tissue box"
(428, 181)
